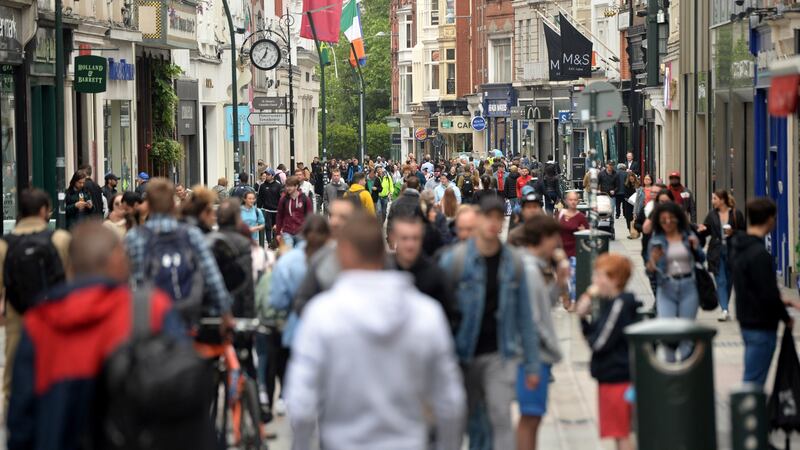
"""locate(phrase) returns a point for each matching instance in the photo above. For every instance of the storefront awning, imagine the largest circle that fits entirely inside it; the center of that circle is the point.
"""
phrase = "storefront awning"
(782, 100)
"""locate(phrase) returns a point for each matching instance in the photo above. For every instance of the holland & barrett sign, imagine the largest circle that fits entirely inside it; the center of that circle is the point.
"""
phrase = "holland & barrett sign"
(90, 74)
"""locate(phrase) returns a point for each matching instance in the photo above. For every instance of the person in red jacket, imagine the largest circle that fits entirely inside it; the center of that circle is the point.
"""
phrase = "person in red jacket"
(67, 339)
(293, 208)
(524, 178)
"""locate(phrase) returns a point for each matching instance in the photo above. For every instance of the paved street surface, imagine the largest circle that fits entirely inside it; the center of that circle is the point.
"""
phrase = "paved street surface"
(571, 422)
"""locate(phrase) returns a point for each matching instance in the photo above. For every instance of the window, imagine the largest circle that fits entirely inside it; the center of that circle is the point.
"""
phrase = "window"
(433, 71)
(434, 12)
(500, 57)
(450, 11)
(450, 71)
(406, 89)
(406, 33)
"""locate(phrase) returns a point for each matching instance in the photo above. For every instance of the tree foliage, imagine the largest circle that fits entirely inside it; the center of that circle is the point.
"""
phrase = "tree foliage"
(379, 141)
(343, 91)
(342, 141)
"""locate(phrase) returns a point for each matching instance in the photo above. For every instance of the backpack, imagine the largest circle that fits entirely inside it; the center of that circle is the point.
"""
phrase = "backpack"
(706, 290)
(32, 266)
(232, 266)
(467, 188)
(172, 266)
(154, 391)
(241, 190)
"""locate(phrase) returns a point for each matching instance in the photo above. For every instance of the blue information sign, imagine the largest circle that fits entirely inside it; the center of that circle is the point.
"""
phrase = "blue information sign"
(244, 125)
(478, 123)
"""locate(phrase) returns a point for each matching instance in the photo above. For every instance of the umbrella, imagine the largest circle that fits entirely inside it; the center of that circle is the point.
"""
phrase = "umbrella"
(497, 153)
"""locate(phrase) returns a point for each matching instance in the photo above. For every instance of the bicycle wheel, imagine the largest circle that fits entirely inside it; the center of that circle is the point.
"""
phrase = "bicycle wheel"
(250, 425)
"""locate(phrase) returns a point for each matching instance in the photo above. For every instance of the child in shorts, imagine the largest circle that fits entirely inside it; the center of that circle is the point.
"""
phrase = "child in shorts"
(603, 323)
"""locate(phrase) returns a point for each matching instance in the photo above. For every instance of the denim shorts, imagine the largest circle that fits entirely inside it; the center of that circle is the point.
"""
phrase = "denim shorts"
(533, 402)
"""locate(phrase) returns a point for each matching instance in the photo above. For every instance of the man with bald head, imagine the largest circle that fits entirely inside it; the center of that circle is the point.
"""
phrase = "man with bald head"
(67, 338)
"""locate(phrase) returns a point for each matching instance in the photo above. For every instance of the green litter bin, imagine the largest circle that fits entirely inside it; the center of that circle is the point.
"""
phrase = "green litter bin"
(586, 242)
(674, 400)
(749, 420)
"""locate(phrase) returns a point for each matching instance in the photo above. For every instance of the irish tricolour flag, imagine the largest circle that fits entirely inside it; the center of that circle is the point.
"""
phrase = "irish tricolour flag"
(351, 25)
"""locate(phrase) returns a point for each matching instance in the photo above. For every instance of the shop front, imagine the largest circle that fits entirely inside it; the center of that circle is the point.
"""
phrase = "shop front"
(456, 131)
(13, 135)
(500, 130)
(119, 121)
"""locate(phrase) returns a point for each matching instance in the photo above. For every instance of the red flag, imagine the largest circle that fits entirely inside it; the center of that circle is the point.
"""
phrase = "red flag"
(326, 21)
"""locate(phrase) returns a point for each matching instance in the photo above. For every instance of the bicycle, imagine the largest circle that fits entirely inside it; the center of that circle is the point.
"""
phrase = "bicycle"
(237, 393)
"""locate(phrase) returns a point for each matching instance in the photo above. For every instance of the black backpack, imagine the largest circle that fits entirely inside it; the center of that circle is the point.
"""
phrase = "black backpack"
(172, 266)
(154, 391)
(32, 266)
(467, 189)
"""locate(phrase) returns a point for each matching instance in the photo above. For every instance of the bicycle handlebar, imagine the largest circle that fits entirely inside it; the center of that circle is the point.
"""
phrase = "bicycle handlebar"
(240, 325)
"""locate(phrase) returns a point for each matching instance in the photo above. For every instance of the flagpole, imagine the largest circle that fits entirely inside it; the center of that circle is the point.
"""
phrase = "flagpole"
(323, 103)
(361, 110)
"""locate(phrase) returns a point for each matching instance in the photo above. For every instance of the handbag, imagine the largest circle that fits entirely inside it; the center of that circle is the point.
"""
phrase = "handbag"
(706, 290)
(632, 198)
(782, 406)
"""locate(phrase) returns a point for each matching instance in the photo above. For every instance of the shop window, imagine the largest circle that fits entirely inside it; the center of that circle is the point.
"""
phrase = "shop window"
(8, 143)
(118, 144)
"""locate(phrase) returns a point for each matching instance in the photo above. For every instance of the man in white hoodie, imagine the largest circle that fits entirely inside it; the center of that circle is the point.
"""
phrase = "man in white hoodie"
(366, 366)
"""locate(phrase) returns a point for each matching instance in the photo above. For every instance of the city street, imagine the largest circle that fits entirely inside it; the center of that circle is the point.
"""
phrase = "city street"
(571, 422)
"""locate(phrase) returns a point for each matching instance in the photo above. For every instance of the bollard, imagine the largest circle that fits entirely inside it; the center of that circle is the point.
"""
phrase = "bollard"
(749, 421)
(674, 401)
(587, 244)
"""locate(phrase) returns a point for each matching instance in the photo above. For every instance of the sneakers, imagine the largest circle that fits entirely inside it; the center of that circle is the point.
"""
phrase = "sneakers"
(724, 317)
(280, 407)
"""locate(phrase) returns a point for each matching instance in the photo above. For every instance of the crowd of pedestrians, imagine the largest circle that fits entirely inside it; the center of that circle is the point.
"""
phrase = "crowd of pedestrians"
(391, 312)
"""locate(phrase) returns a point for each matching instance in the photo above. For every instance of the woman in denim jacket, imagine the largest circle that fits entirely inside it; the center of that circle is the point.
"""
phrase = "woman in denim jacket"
(673, 251)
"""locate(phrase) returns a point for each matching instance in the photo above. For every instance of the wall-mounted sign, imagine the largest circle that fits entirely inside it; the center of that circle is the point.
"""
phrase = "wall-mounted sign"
(10, 46)
(90, 74)
(164, 24)
(421, 134)
(455, 124)
(498, 108)
(120, 70)
(44, 53)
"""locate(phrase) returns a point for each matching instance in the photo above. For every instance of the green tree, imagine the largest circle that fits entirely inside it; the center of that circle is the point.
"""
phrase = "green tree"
(379, 139)
(343, 91)
(342, 141)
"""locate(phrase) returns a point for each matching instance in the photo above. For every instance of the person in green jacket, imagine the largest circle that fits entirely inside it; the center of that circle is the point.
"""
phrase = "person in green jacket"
(385, 191)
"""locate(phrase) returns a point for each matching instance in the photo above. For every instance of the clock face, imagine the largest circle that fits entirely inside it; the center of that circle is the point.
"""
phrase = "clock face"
(265, 54)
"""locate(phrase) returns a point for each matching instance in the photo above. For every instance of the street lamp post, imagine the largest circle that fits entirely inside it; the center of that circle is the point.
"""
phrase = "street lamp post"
(361, 110)
(234, 89)
(60, 152)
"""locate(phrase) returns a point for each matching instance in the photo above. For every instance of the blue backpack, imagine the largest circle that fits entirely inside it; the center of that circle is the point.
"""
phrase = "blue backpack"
(171, 265)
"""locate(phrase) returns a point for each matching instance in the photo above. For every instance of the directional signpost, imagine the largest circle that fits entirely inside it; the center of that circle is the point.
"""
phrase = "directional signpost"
(269, 103)
(267, 119)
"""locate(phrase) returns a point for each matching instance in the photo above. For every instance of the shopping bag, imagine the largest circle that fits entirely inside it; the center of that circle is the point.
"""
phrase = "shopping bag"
(785, 399)
(632, 198)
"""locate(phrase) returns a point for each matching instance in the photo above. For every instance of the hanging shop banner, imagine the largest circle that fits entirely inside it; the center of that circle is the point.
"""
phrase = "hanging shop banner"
(90, 74)
(244, 126)
(576, 51)
(553, 41)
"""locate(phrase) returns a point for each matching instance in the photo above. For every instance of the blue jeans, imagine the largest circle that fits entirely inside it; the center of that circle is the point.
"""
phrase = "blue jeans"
(261, 352)
(724, 282)
(289, 239)
(380, 207)
(677, 298)
(759, 346)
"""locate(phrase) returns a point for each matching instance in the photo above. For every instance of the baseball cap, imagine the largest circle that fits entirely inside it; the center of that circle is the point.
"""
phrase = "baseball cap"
(492, 203)
(532, 197)
(144, 176)
(111, 176)
(527, 189)
(675, 174)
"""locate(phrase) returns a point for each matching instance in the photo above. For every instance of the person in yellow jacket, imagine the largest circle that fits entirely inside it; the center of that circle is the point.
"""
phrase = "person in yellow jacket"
(386, 192)
(358, 189)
